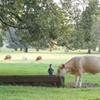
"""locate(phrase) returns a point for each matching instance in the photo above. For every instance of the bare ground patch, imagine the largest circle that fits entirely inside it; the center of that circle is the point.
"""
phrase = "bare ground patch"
(84, 85)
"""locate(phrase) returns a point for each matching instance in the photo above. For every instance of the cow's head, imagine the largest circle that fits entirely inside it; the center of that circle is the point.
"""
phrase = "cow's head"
(62, 70)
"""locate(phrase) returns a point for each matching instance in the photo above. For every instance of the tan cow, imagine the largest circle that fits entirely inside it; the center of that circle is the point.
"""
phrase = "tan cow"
(38, 58)
(79, 65)
(7, 57)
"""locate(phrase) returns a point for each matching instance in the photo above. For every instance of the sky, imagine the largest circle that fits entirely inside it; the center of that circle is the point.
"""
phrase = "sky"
(81, 5)
(57, 1)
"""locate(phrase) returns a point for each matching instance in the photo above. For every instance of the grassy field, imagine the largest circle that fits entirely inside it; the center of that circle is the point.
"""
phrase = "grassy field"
(17, 67)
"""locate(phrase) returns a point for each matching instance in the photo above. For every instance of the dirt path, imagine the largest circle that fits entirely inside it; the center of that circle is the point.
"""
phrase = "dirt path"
(85, 85)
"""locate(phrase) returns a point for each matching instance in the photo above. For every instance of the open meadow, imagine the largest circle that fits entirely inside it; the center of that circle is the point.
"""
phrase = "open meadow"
(17, 67)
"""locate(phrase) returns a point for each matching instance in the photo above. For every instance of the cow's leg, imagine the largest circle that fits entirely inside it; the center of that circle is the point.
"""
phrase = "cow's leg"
(80, 81)
(80, 74)
(77, 80)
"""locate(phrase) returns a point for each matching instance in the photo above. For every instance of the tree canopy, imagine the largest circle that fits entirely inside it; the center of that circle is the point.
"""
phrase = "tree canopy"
(39, 22)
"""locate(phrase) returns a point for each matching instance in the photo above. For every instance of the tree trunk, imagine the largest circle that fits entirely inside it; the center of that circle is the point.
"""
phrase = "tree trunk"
(50, 49)
(25, 49)
(89, 51)
(15, 49)
(21, 49)
(25, 46)
(99, 49)
(37, 49)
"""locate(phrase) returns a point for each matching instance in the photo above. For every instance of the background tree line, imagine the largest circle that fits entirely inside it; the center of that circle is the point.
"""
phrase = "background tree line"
(43, 23)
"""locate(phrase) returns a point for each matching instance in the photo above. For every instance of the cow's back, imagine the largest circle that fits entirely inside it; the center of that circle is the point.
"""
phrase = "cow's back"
(7, 57)
(38, 58)
(89, 64)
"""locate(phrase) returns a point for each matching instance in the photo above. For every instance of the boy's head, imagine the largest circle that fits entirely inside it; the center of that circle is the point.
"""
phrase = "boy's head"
(50, 65)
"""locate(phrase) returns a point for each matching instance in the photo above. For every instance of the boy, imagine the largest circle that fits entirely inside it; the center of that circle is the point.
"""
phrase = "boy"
(51, 70)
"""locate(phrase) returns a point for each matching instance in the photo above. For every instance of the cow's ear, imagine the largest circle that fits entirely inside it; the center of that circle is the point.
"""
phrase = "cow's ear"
(63, 65)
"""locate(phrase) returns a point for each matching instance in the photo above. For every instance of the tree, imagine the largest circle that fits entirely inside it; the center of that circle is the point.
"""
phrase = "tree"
(33, 19)
(1, 40)
(14, 41)
(96, 31)
(72, 12)
(38, 22)
(84, 26)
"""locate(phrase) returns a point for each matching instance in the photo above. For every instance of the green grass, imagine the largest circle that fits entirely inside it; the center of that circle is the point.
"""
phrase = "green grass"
(43, 93)
(17, 67)
(23, 69)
